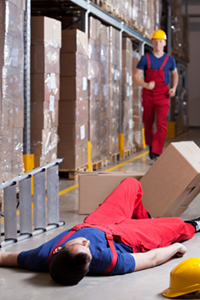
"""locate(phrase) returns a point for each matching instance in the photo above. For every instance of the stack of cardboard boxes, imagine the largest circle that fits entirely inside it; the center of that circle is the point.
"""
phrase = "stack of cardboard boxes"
(45, 87)
(114, 94)
(137, 109)
(127, 94)
(11, 88)
(73, 110)
(98, 92)
(152, 12)
(104, 91)
(177, 28)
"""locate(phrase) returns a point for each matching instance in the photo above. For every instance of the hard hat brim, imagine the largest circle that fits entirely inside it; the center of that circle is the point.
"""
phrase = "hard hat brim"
(169, 293)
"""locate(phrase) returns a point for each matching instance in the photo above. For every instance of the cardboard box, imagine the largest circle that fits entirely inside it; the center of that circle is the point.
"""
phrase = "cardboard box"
(44, 115)
(73, 111)
(72, 88)
(74, 157)
(168, 186)
(94, 187)
(173, 181)
(73, 64)
(45, 30)
(73, 134)
(44, 86)
(74, 41)
(45, 59)
(95, 26)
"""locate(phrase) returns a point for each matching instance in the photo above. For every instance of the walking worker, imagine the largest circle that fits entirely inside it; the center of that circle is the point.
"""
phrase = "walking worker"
(117, 238)
(156, 67)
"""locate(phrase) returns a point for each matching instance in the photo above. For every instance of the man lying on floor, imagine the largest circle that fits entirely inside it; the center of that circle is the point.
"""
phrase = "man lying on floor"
(117, 238)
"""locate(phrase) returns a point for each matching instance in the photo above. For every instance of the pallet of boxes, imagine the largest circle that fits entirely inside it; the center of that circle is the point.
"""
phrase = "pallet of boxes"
(45, 88)
(98, 92)
(114, 95)
(73, 109)
(127, 133)
(11, 89)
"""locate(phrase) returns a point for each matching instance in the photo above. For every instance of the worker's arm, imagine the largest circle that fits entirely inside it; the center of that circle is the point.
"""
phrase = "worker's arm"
(157, 256)
(8, 259)
(172, 91)
(136, 79)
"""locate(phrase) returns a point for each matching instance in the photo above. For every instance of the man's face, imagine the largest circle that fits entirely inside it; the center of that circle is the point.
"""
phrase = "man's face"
(79, 245)
(158, 45)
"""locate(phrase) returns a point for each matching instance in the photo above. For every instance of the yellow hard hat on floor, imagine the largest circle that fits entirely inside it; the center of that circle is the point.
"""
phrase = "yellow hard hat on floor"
(159, 34)
(184, 278)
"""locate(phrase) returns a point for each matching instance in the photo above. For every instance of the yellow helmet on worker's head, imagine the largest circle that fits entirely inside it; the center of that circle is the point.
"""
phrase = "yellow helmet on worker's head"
(184, 278)
(159, 34)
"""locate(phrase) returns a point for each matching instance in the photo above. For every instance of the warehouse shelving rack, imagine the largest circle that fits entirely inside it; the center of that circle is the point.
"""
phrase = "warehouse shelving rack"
(86, 8)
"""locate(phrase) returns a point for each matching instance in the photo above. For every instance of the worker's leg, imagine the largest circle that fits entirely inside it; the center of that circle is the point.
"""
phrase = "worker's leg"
(148, 119)
(162, 108)
(125, 202)
(144, 235)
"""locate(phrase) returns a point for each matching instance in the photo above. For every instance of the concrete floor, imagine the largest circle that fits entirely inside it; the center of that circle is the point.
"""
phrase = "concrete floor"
(142, 285)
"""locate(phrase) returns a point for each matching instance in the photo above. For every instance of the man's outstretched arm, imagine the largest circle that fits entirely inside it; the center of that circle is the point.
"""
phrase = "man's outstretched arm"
(8, 259)
(158, 256)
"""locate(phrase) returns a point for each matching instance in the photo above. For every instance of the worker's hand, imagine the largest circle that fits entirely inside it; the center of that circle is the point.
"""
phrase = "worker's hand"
(172, 92)
(151, 85)
(181, 250)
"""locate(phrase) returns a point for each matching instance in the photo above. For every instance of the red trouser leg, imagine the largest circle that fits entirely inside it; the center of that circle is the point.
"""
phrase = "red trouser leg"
(162, 108)
(147, 234)
(125, 202)
(124, 214)
(148, 119)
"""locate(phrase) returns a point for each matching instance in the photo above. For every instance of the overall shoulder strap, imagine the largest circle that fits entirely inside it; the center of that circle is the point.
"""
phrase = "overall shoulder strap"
(148, 61)
(114, 254)
(109, 238)
(74, 229)
(164, 62)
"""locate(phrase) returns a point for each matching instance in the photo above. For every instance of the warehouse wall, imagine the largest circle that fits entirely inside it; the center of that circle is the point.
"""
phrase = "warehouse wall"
(194, 66)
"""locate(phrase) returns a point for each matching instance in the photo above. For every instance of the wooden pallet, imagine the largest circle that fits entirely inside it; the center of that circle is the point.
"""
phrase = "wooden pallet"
(138, 28)
(114, 158)
(72, 174)
(98, 2)
(121, 17)
(129, 152)
(107, 7)
(99, 164)
(138, 148)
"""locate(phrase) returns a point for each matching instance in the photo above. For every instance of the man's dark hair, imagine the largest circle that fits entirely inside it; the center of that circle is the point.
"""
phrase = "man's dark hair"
(67, 268)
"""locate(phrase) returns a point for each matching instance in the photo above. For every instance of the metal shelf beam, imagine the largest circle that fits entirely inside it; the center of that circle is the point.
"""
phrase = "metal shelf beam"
(113, 21)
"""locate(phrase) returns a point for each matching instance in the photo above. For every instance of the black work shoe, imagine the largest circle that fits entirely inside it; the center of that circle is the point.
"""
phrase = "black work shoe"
(150, 217)
(195, 223)
(154, 155)
(150, 152)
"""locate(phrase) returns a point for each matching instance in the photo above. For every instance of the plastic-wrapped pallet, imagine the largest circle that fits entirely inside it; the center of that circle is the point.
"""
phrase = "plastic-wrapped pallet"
(73, 104)
(98, 89)
(114, 79)
(127, 94)
(11, 89)
(146, 20)
(45, 87)
(104, 91)
(185, 43)
(157, 13)
(177, 28)
(137, 109)
(138, 14)
(151, 18)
